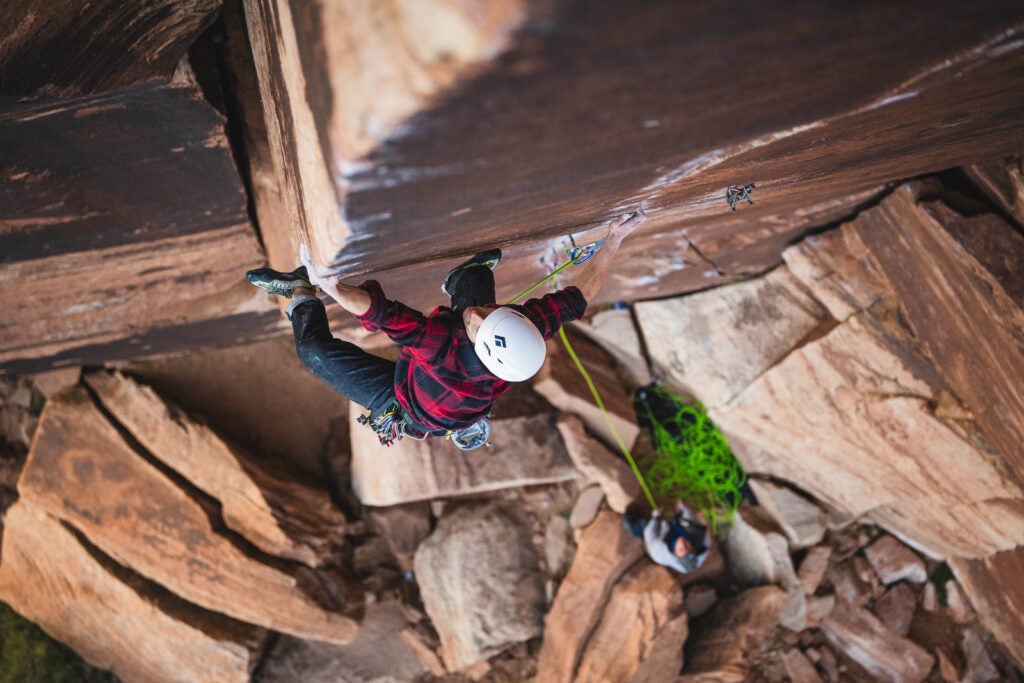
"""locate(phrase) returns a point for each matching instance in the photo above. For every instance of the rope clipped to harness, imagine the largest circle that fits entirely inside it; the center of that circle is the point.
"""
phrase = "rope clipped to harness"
(691, 460)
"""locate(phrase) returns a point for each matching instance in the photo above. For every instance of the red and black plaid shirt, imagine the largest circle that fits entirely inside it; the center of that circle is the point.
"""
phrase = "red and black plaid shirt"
(439, 380)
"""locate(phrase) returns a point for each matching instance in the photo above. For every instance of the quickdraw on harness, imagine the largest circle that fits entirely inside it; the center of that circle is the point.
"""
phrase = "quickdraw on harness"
(387, 425)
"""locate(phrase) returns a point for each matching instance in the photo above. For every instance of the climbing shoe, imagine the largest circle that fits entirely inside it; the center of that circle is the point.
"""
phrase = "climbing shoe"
(281, 284)
(488, 259)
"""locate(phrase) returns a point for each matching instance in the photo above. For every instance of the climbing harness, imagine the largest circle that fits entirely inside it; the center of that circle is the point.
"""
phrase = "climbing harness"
(734, 194)
(392, 425)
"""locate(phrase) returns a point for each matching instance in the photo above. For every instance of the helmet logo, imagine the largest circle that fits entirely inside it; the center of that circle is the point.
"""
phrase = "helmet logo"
(500, 342)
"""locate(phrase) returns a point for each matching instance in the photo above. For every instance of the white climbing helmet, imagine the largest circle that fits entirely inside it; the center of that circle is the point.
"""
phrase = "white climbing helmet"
(510, 345)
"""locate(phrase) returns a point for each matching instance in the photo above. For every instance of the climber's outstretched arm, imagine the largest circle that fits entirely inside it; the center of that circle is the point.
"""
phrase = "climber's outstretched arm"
(595, 270)
(353, 299)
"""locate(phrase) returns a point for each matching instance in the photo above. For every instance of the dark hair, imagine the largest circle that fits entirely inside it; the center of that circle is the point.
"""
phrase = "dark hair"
(693, 532)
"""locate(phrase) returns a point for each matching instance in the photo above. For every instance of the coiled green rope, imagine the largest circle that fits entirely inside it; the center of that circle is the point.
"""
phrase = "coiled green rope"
(691, 460)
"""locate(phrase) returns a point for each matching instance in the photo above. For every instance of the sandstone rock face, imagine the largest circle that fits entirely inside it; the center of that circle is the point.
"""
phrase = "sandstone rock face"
(724, 650)
(82, 472)
(866, 640)
(480, 584)
(644, 612)
(523, 451)
(278, 514)
(354, 89)
(117, 622)
(883, 382)
(142, 191)
(65, 49)
(605, 552)
(813, 144)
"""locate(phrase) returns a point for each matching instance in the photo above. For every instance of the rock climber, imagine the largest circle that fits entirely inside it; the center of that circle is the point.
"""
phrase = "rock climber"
(681, 543)
(453, 363)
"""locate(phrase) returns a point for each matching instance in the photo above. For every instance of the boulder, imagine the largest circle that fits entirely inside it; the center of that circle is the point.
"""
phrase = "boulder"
(1003, 181)
(524, 451)
(887, 379)
(113, 618)
(481, 584)
(819, 607)
(799, 668)
(893, 561)
(958, 608)
(54, 381)
(82, 471)
(605, 552)
(558, 546)
(885, 655)
(403, 527)
(896, 608)
(380, 653)
(995, 586)
(641, 632)
(235, 391)
(562, 384)
(756, 557)
(715, 343)
(275, 511)
(587, 505)
(803, 522)
(595, 462)
(849, 587)
(813, 567)
(731, 636)
(980, 666)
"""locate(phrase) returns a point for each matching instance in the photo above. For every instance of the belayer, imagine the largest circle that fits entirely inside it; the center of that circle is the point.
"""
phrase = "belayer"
(681, 543)
(453, 363)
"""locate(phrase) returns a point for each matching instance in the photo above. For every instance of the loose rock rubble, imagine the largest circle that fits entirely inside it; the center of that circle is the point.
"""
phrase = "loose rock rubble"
(511, 562)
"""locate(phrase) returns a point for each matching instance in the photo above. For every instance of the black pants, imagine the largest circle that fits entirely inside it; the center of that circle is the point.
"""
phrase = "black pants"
(360, 376)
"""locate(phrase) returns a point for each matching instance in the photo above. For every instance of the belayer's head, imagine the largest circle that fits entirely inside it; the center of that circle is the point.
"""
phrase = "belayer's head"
(509, 345)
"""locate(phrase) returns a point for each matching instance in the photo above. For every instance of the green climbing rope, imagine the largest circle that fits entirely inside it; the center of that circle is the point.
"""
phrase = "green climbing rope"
(586, 375)
(691, 460)
(607, 418)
